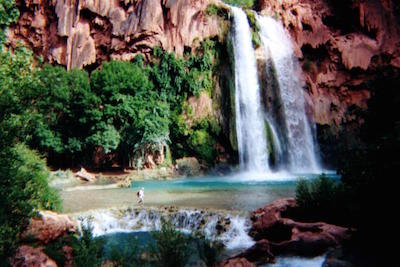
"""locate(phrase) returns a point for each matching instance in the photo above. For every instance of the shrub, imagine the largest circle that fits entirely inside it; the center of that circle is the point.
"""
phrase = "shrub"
(87, 250)
(172, 248)
(208, 250)
(127, 256)
(23, 191)
(241, 3)
(322, 199)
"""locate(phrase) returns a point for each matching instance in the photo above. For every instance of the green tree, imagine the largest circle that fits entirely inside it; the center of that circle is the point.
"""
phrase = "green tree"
(23, 191)
(8, 14)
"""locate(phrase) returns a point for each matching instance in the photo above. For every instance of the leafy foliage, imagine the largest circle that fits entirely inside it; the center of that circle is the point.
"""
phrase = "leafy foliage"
(172, 247)
(125, 108)
(8, 15)
(322, 199)
(241, 3)
(209, 251)
(87, 250)
(23, 191)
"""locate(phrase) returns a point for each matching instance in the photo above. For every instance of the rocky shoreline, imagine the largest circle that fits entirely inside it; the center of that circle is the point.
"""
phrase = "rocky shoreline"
(273, 231)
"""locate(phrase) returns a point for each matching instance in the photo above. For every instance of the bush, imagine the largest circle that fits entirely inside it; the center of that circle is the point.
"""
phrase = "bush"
(23, 191)
(208, 250)
(322, 199)
(8, 15)
(241, 3)
(127, 256)
(172, 248)
(87, 250)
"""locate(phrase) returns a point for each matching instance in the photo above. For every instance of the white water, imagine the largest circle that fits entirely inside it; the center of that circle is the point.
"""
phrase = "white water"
(250, 129)
(300, 145)
(110, 221)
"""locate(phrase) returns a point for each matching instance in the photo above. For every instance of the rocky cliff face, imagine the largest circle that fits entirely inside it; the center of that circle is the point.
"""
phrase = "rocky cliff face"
(79, 33)
(342, 46)
(346, 50)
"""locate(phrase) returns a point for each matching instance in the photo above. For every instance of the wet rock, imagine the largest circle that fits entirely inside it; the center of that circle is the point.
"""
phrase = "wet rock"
(32, 257)
(49, 226)
(259, 253)
(237, 262)
(287, 236)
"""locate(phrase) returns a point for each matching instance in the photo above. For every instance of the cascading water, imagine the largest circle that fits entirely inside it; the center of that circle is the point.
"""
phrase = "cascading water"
(250, 129)
(231, 230)
(299, 140)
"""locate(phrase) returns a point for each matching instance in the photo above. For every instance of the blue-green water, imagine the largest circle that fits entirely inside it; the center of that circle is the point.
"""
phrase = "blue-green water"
(243, 192)
(236, 182)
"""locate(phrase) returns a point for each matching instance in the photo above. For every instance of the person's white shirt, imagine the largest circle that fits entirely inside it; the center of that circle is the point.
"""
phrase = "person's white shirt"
(141, 195)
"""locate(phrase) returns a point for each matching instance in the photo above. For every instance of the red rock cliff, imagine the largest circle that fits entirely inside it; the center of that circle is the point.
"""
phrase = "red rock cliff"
(343, 46)
(78, 33)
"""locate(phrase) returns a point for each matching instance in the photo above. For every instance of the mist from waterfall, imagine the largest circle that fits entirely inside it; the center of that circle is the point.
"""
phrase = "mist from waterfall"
(298, 138)
(250, 126)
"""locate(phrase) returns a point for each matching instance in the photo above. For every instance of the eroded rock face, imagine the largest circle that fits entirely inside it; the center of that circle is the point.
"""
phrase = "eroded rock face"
(237, 262)
(34, 257)
(82, 33)
(342, 46)
(50, 226)
(277, 234)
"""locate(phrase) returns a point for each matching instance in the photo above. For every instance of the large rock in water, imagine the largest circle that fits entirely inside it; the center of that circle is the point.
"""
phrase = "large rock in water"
(28, 256)
(79, 33)
(50, 226)
(275, 234)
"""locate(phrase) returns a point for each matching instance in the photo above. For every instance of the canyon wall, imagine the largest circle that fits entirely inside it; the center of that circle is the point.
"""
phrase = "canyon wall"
(347, 49)
(83, 33)
(344, 47)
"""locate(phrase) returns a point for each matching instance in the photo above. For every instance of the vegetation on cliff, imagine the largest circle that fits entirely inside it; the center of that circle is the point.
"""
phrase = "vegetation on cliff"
(126, 109)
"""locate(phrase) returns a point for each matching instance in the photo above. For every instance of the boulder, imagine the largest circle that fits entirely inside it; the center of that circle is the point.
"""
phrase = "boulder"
(27, 256)
(85, 175)
(237, 262)
(277, 234)
(259, 253)
(188, 166)
(49, 226)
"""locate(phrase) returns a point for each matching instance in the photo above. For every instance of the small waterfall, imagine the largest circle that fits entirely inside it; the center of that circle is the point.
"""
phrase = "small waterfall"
(298, 134)
(252, 143)
(231, 230)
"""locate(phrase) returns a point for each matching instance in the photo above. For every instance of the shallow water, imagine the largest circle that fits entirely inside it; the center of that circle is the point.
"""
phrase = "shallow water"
(245, 192)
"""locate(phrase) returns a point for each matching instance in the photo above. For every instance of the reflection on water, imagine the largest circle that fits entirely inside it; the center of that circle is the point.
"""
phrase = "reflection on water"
(239, 192)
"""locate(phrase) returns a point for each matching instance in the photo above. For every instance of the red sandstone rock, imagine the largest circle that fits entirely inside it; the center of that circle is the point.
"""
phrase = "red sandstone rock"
(288, 236)
(237, 262)
(50, 226)
(333, 88)
(259, 253)
(28, 256)
(79, 33)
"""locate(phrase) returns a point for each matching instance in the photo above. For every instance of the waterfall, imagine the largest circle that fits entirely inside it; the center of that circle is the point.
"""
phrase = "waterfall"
(230, 229)
(301, 155)
(250, 129)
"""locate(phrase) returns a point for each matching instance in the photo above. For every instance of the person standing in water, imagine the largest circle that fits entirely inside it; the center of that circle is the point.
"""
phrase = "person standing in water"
(140, 195)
